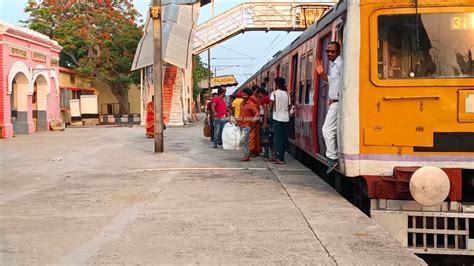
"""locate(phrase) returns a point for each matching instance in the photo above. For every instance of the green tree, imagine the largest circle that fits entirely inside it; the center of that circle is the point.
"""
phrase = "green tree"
(99, 38)
(200, 72)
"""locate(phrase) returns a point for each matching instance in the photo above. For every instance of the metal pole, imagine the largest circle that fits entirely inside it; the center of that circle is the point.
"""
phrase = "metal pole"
(209, 55)
(209, 70)
(155, 13)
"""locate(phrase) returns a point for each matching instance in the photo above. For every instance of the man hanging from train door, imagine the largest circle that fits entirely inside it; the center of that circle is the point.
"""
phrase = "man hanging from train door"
(334, 78)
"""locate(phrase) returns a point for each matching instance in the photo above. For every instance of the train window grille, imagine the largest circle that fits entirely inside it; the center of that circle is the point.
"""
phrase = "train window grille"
(440, 232)
(301, 79)
(309, 79)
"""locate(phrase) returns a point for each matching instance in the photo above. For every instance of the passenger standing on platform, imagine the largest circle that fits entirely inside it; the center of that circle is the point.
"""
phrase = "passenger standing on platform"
(236, 104)
(280, 102)
(254, 143)
(210, 116)
(334, 78)
(265, 130)
(247, 120)
(150, 118)
(219, 107)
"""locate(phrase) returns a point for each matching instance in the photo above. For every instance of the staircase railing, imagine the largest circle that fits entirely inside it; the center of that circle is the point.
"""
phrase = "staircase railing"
(257, 16)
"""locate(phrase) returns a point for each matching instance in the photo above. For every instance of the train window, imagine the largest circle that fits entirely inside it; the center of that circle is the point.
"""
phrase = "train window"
(425, 45)
(340, 32)
(285, 72)
(308, 99)
(272, 77)
(301, 80)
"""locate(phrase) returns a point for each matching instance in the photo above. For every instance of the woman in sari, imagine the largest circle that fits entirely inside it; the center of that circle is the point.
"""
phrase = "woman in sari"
(150, 118)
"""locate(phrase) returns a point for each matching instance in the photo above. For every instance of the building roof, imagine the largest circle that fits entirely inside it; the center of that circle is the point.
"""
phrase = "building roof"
(6, 27)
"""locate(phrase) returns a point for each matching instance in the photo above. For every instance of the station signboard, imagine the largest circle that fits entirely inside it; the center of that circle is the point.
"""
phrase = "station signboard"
(309, 15)
(223, 81)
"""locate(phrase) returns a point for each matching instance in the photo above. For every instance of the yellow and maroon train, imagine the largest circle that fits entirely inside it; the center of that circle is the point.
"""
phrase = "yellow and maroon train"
(406, 117)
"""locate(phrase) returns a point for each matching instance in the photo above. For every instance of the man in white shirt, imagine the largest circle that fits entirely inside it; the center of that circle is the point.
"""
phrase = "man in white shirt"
(334, 78)
(281, 117)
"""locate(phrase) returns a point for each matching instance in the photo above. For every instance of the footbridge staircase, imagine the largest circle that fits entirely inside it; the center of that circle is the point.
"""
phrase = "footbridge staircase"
(257, 16)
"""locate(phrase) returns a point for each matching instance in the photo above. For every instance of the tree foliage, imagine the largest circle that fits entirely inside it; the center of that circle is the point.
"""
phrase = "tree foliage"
(200, 72)
(99, 38)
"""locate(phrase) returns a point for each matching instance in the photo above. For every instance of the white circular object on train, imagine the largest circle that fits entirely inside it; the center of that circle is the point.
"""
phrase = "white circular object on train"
(429, 186)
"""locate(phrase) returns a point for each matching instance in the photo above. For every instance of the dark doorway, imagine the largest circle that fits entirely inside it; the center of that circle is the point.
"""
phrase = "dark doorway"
(294, 80)
(322, 95)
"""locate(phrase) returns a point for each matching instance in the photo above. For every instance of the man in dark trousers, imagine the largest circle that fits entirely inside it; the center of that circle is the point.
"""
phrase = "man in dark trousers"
(280, 102)
(210, 116)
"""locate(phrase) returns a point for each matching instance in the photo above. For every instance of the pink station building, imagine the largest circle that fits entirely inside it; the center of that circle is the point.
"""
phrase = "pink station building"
(29, 84)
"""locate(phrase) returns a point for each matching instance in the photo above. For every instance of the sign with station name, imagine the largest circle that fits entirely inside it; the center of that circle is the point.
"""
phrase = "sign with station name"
(39, 57)
(223, 81)
(310, 15)
(18, 52)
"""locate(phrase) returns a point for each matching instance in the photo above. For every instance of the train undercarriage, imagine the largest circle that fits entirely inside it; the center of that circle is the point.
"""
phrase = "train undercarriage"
(441, 233)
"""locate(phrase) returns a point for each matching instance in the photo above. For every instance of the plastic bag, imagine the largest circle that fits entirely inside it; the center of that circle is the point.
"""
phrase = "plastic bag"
(231, 137)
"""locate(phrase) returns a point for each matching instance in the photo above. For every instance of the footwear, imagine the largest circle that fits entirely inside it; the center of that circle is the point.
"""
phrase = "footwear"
(245, 158)
(272, 160)
(253, 155)
(332, 164)
(278, 162)
(215, 146)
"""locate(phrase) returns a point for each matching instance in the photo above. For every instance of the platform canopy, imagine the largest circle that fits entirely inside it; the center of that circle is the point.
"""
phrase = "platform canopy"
(179, 18)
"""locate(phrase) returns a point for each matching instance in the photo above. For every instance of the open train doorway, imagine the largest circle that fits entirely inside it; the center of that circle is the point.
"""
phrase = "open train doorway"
(322, 100)
(294, 84)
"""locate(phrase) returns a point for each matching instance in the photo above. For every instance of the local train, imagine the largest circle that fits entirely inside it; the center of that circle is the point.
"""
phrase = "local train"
(406, 112)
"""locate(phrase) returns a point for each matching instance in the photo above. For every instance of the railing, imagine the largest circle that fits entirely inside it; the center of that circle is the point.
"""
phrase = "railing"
(257, 16)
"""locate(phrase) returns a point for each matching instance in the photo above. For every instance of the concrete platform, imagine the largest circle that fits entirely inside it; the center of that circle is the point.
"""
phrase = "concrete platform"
(100, 196)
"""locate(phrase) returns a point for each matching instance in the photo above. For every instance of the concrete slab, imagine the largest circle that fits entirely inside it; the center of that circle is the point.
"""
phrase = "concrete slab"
(100, 196)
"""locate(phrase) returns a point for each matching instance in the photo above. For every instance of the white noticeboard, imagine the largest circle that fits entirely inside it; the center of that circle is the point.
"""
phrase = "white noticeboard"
(89, 104)
(75, 106)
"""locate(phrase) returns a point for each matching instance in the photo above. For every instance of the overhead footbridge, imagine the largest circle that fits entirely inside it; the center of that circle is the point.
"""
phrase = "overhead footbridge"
(257, 16)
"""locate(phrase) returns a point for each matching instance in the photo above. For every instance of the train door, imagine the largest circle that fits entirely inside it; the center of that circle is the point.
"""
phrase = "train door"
(294, 84)
(322, 95)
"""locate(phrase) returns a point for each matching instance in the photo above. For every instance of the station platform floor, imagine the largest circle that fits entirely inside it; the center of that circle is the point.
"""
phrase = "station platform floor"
(100, 196)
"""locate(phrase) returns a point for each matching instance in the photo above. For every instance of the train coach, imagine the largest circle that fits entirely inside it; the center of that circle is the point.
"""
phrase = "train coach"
(406, 112)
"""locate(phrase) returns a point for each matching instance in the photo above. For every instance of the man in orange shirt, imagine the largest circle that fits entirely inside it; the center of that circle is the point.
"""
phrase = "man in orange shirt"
(249, 115)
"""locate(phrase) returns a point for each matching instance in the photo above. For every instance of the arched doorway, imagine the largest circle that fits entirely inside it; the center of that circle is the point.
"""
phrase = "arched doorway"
(19, 104)
(40, 104)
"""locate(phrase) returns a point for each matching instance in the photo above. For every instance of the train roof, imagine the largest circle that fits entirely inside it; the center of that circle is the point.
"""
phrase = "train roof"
(329, 16)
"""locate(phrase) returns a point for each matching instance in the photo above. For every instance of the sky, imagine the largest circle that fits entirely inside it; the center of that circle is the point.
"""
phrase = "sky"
(245, 53)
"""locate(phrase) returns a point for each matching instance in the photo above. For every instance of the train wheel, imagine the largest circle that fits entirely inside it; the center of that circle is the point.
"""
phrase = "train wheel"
(343, 185)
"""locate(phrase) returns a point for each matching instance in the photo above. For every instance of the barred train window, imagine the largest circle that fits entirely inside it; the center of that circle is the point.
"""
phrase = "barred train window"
(308, 98)
(442, 47)
(301, 80)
